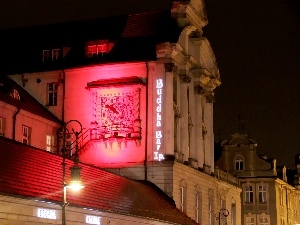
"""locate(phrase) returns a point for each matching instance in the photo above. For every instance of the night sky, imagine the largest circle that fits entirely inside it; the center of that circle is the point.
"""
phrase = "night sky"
(257, 46)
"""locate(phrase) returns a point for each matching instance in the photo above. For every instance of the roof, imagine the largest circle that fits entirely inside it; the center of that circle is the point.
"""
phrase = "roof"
(134, 36)
(26, 102)
(29, 172)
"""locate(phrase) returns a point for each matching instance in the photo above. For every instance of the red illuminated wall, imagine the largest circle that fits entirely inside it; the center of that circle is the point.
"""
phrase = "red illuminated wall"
(113, 114)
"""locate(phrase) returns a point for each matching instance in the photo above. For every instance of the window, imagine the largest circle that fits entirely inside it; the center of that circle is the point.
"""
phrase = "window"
(281, 196)
(183, 192)
(15, 94)
(210, 210)
(94, 50)
(51, 54)
(262, 194)
(2, 126)
(263, 220)
(249, 220)
(233, 214)
(52, 93)
(26, 132)
(239, 163)
(249, 194)
(182, 199)
(46, 55)
(198, 207)
(55, 54)
(222, 203)
(49, 142)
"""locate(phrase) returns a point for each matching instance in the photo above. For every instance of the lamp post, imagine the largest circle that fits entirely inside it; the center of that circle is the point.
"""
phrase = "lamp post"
(222, 215)
(75, 182)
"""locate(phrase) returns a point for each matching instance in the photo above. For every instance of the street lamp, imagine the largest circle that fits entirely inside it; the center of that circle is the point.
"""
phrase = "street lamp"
(222, 215)
(75, 182)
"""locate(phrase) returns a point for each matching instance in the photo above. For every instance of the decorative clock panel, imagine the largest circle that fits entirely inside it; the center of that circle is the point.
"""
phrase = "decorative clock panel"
(117, 113)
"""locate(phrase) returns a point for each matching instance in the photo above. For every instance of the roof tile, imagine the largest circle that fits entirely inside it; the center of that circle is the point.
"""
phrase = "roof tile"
(30, 172)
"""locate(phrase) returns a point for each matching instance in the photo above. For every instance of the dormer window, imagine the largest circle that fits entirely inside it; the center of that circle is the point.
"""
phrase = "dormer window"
(46, 55)
(98, 48)
(15, 94)
(55, 54)
(51, 55)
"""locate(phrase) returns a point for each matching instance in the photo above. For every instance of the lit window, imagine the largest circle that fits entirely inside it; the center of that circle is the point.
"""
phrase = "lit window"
(239, 163)
(2, 126)
(46, 55)
(96, 49)
(262, 194)
(55, 54)
(263, 220)
(49, 142)
(52, 93)
(249, 220)
(248, 194)
(26, 131)
(15, 94)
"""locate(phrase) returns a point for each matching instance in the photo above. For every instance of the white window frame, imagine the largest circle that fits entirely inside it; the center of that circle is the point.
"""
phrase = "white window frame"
(249, 194)
(198, 207)
(264, 220)
(46, 55)
(262, 194)
(55, 54)
(249, 220)
(239, 163)
(49, 143)
(15, 94)
(26, 134)
(52, 93)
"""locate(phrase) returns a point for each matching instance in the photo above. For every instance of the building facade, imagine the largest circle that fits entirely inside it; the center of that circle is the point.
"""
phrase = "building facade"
(145, 102)
(266, 199)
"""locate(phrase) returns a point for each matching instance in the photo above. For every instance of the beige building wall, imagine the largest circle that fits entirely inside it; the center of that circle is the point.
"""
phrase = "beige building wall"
(195, 181)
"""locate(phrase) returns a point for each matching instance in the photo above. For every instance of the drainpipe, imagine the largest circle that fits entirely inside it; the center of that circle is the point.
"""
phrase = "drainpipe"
(14, 123)
(146, 136)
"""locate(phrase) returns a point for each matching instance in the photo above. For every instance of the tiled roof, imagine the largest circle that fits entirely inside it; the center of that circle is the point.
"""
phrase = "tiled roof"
(26, 102)
(34, 173)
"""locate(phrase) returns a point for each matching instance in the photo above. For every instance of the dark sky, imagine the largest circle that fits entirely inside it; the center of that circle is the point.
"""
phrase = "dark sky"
(257, 46)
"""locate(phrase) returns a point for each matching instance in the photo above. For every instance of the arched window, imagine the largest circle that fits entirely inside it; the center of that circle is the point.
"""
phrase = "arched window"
(239, 163)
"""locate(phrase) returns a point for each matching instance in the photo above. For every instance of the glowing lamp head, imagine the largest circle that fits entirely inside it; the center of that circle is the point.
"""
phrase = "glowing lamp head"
(75, 183)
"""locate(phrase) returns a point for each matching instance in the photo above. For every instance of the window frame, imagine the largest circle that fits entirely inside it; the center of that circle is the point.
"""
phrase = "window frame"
(2, 126)
(262, 194)
(15, 94)
(26, 135)
(49, 142)
(239, 164)
(46, 55)
(55, 54)
(251, 222)
(52, 95)
(198, 207)
(249, 194)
